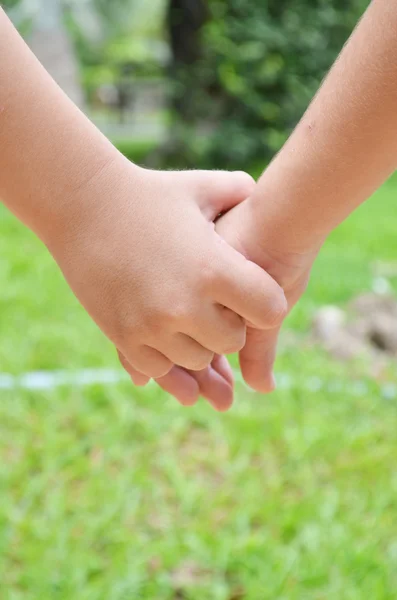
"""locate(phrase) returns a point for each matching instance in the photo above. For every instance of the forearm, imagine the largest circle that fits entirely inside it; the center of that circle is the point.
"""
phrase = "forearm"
(344, 147)
(48, 149)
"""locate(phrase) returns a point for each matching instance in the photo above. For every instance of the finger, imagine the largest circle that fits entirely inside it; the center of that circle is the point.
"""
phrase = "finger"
(248, 290)
(222, 331)
(149, 362)
(219, 191)
(186, 352)
(214, 383)
(222, 366)
(180, 384)
(257, 359)
(215, 387)
(137, 378)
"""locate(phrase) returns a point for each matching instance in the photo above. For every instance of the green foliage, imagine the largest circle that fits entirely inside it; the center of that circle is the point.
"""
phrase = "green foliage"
(126, 44)
(136, 151)
(7, 4)
(262, 61)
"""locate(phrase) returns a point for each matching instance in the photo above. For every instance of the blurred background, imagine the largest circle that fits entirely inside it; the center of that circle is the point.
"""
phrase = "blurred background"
(117, 493)
(209, 83)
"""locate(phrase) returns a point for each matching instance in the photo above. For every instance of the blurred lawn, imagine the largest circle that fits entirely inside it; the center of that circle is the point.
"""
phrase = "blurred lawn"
(111, 493)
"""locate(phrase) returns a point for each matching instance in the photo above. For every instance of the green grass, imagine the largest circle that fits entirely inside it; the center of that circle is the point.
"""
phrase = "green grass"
(139, 151)
(117, 494)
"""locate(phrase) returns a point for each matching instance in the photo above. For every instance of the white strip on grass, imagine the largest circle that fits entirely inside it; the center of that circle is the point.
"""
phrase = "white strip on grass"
(50, 380)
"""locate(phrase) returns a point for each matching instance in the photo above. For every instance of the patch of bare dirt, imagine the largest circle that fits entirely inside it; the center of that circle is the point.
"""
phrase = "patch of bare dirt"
(368, 327)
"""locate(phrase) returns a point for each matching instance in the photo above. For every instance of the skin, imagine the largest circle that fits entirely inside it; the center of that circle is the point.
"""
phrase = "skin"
(343, 149)
(137, 247)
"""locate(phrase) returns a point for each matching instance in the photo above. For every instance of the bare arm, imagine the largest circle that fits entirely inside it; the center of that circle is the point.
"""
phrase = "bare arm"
(342, 150)
(344, 147)
(48, 149)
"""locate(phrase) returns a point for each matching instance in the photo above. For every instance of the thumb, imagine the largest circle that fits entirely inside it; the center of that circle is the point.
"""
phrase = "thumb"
(257, 359)
(220, 191)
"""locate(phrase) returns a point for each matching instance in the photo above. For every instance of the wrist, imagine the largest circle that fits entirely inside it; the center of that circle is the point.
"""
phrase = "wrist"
(261, 240)
(81, 208)
(284, 210)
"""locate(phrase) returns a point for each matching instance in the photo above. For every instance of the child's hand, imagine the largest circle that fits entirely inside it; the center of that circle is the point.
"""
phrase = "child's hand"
(142, 255)
(244, 231)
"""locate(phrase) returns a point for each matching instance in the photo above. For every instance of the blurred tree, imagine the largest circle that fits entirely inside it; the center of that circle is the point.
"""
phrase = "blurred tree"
(42, 24)
(117, 43)
(185, 19)
(257, 63)
(106, 38)
(7, 4)
(51, 42)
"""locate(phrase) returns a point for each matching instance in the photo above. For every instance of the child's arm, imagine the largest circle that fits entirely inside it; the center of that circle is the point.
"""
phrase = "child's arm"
(342, 150)
(344, 147)
(137, 247)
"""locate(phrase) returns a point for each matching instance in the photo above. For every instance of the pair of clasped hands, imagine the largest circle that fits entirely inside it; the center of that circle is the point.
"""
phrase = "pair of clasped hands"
(183, 286)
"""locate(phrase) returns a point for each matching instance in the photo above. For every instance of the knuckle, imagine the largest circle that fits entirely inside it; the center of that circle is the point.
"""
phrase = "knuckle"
(233, 347)
(166, 316)
(158, 371)
(234, 343)
(178, 311)
(277, 309)
(151, 363)
(198, 361)
(153, 325)
(244, 181)
(210, 272)
(126, 329)
(160, 319)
